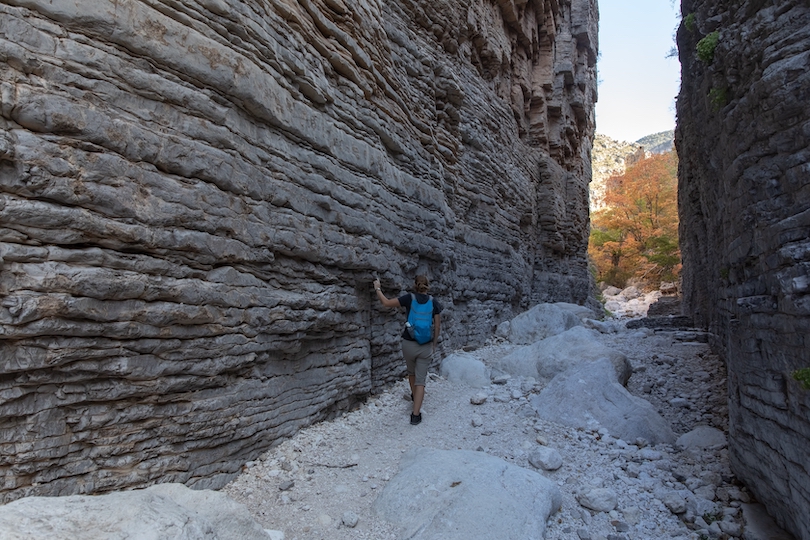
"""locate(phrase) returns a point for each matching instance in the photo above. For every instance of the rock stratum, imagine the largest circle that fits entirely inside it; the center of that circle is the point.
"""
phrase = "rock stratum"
(743, 138)
(195, 196)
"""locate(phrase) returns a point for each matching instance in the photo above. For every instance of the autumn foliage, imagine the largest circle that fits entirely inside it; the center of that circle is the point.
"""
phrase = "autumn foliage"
(635, 233)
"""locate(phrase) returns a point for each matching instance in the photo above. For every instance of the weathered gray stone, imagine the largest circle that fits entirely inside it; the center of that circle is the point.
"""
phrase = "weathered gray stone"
(589, 395)
(730, 527)
(545, 458)
(759, 525)
(350, 519)
(466, 369)
(450, 494)
(162, 511)
(540, 322)
(598, 499)
(744, 144)
(194, 199)
(702, 437)
(545, 359)
(674, 501)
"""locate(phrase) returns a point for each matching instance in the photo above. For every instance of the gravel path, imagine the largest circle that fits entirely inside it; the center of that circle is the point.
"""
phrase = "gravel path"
(321, 483)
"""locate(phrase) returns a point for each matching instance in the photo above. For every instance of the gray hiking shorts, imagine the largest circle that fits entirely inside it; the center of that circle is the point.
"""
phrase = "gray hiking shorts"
(417, 358)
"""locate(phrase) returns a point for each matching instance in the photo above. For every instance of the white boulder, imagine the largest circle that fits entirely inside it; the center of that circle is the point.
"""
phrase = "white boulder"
(545, 458)
(466, 369)
(461, 494)
(547, 358)
(161, 511)
(590, 394)
(599, 499)
(540, 322)
(701, 437)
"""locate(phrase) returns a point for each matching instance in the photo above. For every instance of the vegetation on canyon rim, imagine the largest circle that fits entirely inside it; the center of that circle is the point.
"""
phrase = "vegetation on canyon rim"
(706, 47)
(635, 235)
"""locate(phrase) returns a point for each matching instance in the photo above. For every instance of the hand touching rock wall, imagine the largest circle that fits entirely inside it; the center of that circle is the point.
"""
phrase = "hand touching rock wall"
(195, 196)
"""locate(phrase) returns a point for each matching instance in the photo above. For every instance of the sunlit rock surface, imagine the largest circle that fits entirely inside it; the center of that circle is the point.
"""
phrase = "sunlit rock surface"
(195, 197)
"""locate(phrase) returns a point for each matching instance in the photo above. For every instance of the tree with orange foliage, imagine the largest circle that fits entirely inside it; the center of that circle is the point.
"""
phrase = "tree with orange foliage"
(635, 235)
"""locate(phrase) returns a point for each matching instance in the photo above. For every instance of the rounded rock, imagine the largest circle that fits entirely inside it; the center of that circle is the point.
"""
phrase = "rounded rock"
(675, 503)
(599, 499)
(545, 458)
(350, 519)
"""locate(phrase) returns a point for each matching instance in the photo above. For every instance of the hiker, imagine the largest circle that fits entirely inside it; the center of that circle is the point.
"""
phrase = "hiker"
(420, 336)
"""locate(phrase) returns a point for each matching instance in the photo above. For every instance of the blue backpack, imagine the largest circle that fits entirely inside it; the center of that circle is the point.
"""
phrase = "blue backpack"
(421, 319)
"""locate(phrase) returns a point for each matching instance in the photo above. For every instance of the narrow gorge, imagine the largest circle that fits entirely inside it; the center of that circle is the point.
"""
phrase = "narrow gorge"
(195, 197)
(743, 139)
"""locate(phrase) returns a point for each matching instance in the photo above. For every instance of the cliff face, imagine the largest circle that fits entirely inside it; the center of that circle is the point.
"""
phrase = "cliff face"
(195, 196)
(743, 139)
(609, 157)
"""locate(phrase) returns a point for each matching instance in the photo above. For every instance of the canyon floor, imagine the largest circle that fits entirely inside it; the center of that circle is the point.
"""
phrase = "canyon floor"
(321, 483)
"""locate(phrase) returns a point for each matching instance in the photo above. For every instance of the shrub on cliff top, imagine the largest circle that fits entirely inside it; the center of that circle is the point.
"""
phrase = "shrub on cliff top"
(689, 22)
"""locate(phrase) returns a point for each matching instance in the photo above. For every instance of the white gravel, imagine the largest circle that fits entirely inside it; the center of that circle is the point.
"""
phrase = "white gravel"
(321, 483)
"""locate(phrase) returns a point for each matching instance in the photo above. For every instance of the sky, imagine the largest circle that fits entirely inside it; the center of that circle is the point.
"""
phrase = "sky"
(637, 82)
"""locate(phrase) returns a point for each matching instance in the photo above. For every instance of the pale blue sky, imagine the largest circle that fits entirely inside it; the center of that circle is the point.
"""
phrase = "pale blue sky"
(637, 82)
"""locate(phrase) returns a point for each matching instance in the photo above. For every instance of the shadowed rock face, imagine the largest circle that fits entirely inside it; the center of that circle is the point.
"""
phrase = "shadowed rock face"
(195, 196)
(744, 143)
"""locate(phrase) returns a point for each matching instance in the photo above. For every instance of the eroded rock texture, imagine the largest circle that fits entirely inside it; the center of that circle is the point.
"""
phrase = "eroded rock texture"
(195, 196)
(744, 143)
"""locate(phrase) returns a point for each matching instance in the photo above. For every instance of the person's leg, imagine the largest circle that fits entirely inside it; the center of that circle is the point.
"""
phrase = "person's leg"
(423, 358)
(409, 351)
(418, 396)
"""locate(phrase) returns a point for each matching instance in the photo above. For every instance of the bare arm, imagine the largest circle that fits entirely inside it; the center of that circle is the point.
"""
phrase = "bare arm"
(437, 327)
(387, 302)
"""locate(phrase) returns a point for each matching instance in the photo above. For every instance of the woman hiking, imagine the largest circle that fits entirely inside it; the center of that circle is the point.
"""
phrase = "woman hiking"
(420, 336)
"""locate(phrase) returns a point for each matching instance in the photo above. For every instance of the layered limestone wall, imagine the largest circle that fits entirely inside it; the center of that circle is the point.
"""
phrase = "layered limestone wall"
(195, 197)
(743, 139)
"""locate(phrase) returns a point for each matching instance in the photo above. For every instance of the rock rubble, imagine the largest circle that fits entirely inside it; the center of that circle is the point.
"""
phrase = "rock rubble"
(612, 489)
(369, 474)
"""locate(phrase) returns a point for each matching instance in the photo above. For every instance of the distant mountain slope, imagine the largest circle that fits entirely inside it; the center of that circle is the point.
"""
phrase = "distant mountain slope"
(658, 143)
(610, 157)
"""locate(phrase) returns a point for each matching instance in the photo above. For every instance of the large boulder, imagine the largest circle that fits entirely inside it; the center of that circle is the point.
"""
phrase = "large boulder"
(581, 312)
(158, 512)
(540, 322)
(466, 369)
(545, 359)
(461, 494)
(701, 437)
(590, 394)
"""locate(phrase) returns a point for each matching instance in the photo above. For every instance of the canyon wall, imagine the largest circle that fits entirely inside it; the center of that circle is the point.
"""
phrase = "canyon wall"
(195, 197)
(743, 140)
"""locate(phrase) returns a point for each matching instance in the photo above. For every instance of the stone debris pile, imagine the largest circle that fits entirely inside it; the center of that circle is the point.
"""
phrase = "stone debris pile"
(612, 487)
(368, 474)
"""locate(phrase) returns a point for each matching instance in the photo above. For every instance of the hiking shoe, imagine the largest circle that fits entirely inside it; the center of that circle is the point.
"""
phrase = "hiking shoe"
(416, 418)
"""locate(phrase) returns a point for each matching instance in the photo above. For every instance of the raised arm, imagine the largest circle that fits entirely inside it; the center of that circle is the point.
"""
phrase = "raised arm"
(387, 302)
